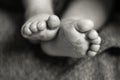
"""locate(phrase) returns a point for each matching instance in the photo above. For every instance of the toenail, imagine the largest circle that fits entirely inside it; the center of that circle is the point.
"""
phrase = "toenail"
(92, 53)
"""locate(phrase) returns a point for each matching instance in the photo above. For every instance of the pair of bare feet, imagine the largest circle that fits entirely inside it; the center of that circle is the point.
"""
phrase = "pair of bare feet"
(75, 37)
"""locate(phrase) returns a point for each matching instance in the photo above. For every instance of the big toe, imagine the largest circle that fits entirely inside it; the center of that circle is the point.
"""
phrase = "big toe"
(84, 25)
(53, 22)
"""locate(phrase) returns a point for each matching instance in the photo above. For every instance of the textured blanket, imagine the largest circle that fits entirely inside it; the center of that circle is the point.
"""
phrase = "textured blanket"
(20, 60)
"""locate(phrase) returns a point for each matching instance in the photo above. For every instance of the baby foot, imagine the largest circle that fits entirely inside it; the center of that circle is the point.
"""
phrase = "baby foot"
(41, 27)
(83, 38)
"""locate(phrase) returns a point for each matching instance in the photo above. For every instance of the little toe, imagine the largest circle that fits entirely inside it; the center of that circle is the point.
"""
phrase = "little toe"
(95, 47)
(92, 34)
(25, 31)
(96, 41)
(41, 25)
(84, 25)
(53, 22)
(92, 53)
(33, 27)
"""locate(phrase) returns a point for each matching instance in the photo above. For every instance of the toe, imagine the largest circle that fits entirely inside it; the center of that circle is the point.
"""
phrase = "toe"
(95, 47)
(84, 25)
(92, 34)
(53, 22)
(33, 27)
(25, 29)
(92, 53)
(96, 41)
(41, 25)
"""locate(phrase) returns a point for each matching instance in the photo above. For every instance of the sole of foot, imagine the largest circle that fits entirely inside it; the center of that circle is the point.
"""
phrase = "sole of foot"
(82, 36)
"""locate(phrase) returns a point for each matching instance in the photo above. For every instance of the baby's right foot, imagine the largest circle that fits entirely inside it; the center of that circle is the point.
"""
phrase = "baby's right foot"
(41, 28)
(83, 38)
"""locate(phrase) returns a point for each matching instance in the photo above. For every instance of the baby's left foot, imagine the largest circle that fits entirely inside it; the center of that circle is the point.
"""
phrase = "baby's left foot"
(41, 27)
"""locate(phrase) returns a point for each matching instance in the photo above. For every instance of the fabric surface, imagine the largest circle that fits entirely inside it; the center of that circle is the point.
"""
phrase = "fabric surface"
(20, 60)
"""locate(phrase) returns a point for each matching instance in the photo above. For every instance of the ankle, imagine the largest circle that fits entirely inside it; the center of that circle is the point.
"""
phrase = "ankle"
(29, 14)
